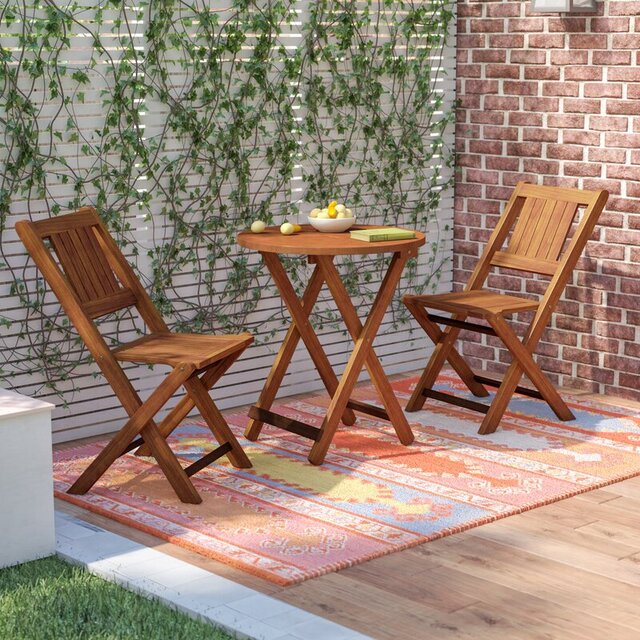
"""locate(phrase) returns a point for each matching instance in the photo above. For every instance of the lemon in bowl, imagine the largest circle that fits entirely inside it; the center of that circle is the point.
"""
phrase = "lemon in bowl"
(333, 219)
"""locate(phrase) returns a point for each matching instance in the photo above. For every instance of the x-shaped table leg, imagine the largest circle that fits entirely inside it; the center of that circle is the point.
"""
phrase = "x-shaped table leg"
(361, 352)
(355, 328)
(300, 328)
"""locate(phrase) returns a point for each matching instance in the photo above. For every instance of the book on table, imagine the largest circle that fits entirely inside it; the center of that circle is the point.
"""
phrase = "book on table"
(383, 234)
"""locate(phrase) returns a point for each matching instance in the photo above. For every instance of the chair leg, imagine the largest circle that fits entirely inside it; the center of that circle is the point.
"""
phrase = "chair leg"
(502, 398)
(444, 350)
(215, 421)
(142, 422)
(522, 353)
(183, 408)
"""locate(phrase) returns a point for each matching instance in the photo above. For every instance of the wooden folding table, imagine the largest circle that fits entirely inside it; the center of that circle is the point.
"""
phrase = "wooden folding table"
(321, 249)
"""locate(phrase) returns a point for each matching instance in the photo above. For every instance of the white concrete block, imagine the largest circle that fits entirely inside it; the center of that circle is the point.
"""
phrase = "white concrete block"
(26, 479)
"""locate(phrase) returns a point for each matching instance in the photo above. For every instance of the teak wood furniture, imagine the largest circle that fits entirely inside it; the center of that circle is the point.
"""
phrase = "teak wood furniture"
(91, 278)
(540, 220)
(321, 250)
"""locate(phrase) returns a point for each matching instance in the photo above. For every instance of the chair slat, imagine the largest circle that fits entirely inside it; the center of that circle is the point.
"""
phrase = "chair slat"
(563, 222)
(85, 217)
(539, 227)
(523, 218)
(85, 262)
(64, 250)
(525, 226)
(102, 264)
(524, 263)
(113, 302)
(101, 273)
(579, 196)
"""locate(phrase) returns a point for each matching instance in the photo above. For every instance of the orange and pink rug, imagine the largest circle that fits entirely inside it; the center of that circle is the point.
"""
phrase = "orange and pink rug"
(286, 520)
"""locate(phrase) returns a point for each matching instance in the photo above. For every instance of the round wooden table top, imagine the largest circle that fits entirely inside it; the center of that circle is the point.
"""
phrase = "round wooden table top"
(310, 242)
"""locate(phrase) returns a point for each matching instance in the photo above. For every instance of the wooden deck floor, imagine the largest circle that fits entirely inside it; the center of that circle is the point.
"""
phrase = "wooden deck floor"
(567, 571)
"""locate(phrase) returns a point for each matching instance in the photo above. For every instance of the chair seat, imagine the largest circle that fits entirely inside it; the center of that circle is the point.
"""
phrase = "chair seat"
(174, 349)
(479, 303)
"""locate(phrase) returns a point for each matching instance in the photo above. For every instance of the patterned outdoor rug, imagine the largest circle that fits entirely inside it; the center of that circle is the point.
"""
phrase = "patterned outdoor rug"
(286, 520)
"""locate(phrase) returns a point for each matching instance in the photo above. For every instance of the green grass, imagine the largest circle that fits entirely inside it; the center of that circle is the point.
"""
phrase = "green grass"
(52, 600)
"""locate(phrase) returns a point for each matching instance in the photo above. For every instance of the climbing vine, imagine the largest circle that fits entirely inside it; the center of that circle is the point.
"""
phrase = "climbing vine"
(181, 123)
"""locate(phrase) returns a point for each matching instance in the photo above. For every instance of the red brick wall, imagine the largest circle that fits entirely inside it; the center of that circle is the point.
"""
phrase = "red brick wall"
(556, 100)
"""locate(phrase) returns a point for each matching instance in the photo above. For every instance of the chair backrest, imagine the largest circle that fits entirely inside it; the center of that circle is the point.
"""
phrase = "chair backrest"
(91, 277)
(540, 220)
(537, 223)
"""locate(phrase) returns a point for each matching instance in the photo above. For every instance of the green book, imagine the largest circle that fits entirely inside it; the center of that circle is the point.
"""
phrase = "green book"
(383, 234)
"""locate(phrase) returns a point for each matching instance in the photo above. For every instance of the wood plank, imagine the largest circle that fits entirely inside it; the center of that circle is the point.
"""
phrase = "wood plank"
(372, 609)
(492, 382)
(207, 459)
(479, 302)
(462, 324)
(619, 528)
(48, 227)
(528, 538)
(520, 571)
(538, 213)
(71, 269)
(84, 259)
(102, 264)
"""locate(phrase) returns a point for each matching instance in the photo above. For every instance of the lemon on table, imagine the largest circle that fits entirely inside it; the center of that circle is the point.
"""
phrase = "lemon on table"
(287, 229)
(257, 226)
(296, 227)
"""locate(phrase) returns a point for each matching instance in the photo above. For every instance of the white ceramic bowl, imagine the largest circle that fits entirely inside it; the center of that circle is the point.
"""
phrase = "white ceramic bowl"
(332, 225)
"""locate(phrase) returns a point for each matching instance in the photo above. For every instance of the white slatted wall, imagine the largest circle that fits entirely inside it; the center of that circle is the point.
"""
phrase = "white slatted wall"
(92, 409)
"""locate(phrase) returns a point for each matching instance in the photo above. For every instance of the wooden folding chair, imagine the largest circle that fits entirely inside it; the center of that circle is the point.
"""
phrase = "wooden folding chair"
(541, 219)
(91, 278)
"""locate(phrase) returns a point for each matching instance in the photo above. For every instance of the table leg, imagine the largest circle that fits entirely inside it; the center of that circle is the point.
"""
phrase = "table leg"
(361, 351)
(300, 328)
(376, 372)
